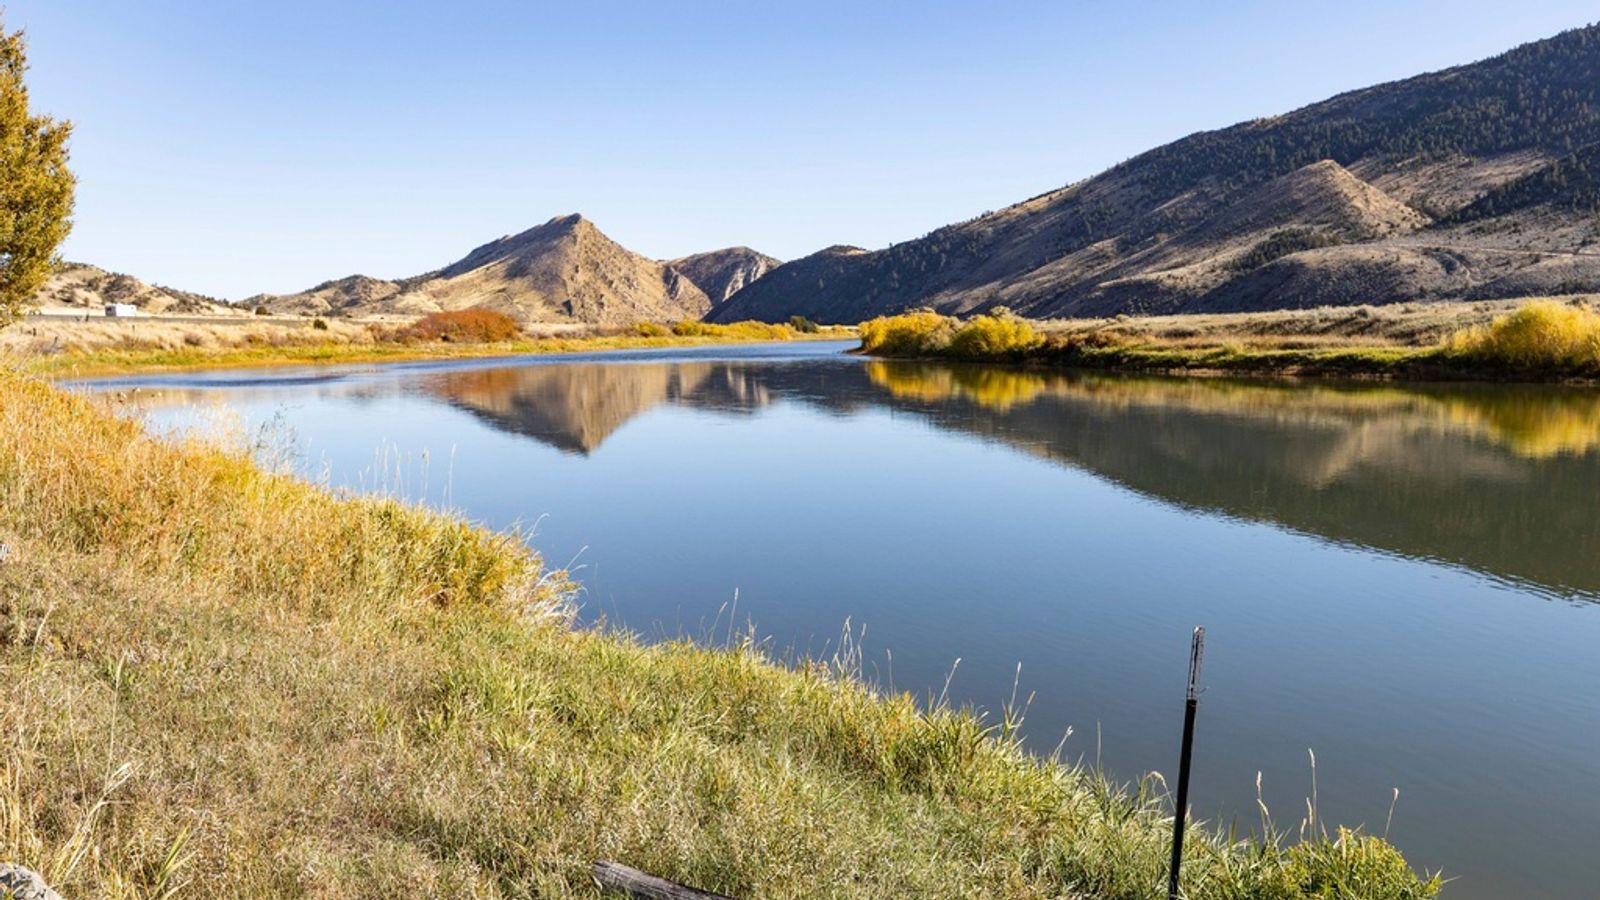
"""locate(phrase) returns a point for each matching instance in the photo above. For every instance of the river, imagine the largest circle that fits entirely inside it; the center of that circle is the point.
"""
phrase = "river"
(1400, 579)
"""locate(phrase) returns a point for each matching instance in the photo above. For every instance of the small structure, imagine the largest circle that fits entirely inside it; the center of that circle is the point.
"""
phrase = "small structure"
(121, 310)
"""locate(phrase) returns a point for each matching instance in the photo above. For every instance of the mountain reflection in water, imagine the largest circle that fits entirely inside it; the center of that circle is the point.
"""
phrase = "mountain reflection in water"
(1501, 479)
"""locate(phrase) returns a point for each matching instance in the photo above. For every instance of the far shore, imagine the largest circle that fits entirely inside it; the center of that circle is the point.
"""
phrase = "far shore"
(1536, 339)
(91, 346)
(1445, 341)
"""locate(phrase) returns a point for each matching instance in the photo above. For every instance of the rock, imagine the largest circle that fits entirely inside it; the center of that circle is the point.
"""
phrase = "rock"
(18, 883)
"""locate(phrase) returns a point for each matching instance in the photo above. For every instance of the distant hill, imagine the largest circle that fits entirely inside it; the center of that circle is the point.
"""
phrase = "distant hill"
(342, 295)
(1475, 182)
(722, 273)
(565, 270)
(90, 288)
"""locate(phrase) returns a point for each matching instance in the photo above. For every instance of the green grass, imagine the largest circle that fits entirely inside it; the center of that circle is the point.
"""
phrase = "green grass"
(218, 681)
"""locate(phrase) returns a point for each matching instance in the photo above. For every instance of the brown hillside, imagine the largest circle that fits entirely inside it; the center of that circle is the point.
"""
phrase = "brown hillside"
(565, 270)
(1463, 184)
(353, 292)
(723, 273)
(90, 288)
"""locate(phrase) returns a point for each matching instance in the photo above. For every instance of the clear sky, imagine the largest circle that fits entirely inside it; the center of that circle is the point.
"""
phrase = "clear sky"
(233, 148)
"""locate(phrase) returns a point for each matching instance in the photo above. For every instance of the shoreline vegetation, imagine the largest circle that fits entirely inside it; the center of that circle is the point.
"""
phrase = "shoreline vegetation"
(151, 345)
(219, 679)
(1534, 340)
(1542, 339)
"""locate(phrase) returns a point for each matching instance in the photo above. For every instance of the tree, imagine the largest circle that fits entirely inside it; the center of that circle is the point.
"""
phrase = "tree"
(35, 186)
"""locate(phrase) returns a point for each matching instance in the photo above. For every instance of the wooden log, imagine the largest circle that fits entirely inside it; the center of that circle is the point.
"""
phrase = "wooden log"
(637, 884)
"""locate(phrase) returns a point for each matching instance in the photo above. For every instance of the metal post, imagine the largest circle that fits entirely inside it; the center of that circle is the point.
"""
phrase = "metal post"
(1191, 703)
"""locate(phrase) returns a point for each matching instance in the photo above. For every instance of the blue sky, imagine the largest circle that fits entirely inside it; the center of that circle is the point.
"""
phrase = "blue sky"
(233, 148)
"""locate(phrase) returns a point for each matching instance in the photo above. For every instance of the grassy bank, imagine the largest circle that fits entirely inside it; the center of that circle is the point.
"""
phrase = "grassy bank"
(220, 681)
(342, 343)
(1538, 340)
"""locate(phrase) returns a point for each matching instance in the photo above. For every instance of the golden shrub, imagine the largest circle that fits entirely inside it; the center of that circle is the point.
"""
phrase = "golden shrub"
(908, 334)
(983, 337)
(1542, 334)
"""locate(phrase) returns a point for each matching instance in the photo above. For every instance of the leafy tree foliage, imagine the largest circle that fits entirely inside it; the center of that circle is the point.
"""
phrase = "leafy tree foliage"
(35, 186)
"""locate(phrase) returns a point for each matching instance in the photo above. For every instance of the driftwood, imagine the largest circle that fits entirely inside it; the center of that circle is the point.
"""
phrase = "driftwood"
(637, 884)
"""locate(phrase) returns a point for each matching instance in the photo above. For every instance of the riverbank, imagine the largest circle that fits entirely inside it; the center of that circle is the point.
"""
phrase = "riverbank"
(230, 682)
(164, 347)
(1541, 339)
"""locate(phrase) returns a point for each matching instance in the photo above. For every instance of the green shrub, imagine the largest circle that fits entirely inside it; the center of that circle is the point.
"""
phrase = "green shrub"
(319, 324)
(651, 329)
(803, 325)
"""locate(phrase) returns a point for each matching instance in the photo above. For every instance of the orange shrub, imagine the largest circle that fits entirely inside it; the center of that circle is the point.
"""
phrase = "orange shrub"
(466, 326)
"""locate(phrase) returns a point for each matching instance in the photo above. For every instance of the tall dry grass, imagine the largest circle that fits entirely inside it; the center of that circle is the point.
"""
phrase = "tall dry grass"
(217, 681)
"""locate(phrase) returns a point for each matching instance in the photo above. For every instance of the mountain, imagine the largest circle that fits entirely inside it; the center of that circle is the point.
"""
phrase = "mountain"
(339, 295)
(565, 270)
(1478, 181)
(82, 286)
(723, 273)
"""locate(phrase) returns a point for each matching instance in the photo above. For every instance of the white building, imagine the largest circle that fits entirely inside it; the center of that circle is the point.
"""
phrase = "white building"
(121, 311)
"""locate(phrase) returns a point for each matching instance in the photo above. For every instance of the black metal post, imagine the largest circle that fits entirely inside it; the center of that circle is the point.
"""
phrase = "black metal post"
(1181, 812)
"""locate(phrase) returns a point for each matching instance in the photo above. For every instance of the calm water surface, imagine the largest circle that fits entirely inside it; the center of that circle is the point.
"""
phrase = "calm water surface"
(1401, 579)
